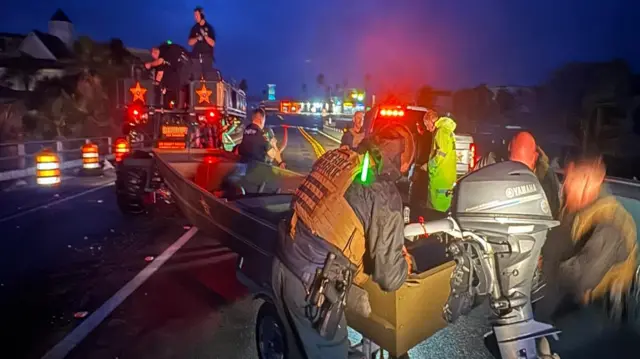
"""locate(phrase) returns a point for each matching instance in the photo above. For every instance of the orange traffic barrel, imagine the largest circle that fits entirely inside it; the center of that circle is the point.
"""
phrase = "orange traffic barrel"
(121, 148)
(47, 168)
(90, 156)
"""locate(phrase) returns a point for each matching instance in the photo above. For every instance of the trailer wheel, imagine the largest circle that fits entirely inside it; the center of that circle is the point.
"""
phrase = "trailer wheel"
(270, 334)
(130, 191)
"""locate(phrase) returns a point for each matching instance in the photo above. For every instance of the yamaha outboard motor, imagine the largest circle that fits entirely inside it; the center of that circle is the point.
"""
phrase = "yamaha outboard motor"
(502, 217)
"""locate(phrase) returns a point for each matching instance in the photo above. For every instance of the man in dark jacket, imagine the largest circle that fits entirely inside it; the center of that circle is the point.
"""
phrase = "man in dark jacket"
(523, 148)
(592, 255)
(353, 136)
(171, 64)
(257, 144)
(347, 226)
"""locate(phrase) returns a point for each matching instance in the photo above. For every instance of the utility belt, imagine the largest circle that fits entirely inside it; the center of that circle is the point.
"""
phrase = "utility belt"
(328, 287)
(327, 296)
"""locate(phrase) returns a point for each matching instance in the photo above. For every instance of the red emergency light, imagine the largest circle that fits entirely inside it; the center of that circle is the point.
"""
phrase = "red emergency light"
(392, 112)
(472, 156)
(136, 115)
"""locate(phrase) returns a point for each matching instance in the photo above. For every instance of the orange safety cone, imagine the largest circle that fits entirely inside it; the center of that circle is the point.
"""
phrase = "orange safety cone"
(121, 148)
(91, 159)
(47, 168)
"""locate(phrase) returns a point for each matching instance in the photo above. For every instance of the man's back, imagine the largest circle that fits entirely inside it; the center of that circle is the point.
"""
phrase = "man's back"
(254, 145)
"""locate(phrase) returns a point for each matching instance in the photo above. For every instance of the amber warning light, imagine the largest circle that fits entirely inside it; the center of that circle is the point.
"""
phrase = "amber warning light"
(121, 148)
(392, 112)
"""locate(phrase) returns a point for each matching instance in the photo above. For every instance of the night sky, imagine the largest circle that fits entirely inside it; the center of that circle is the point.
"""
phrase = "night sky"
(401, 43)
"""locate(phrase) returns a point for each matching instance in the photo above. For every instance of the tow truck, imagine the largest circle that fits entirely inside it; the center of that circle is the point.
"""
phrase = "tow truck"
(153, 123)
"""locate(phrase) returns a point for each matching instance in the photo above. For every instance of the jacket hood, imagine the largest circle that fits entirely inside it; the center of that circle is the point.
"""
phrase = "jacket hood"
(446, 123)
(387, 156)
(542, 165)
(391, 153)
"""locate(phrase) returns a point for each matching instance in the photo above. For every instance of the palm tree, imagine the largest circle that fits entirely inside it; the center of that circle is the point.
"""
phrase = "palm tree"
(320, 79)
(243, 85)
(367, 82)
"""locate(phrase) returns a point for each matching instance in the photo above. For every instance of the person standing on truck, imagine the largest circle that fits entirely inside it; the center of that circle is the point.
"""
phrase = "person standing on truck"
(345, 229)
(442, 160)
(256, 144)
(352, 138)
(523, 148)
(169, 61)
(202, 38)
(592, 256)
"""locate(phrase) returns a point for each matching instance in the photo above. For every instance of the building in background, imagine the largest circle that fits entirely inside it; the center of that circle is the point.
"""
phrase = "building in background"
(27, 59)
(271, 92)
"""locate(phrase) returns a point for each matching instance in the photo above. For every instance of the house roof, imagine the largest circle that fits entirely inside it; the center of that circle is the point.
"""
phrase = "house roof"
(55, 45)
(59, 15)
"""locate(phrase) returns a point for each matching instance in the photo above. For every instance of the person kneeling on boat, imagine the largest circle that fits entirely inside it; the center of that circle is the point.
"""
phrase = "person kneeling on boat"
(256, 144)
(346, 227)
(591, 257)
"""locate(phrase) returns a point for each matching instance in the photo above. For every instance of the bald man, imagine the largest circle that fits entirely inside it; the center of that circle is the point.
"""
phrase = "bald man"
(591, 257)
(523, 148)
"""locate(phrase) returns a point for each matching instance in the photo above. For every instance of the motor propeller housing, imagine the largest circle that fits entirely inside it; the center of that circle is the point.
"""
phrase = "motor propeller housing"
(500, 217)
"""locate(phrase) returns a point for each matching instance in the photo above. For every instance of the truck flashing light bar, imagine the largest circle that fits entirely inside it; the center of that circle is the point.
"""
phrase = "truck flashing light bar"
(391, 112)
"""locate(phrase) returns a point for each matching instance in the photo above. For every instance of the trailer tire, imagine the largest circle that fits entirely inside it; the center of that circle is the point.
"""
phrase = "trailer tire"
(130, 191)
(270, 333)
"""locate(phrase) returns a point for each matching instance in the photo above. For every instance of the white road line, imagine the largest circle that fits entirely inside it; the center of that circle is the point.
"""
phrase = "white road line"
(62, 200)
(330, 137)
(64, 347)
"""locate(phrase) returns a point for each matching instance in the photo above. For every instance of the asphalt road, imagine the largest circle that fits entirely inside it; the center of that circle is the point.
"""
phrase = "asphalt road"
(71, 270)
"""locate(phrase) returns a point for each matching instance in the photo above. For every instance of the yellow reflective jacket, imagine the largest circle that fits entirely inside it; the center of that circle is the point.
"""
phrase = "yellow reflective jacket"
(442, 164)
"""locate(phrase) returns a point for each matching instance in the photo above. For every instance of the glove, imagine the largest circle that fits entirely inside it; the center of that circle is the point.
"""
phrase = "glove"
(410, 260)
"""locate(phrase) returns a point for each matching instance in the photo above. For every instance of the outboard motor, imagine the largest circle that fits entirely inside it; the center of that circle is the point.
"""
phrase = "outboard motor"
(498, 224)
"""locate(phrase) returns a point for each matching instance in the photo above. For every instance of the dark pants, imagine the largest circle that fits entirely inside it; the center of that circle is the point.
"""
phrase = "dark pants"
(202, 67)
(303, 341)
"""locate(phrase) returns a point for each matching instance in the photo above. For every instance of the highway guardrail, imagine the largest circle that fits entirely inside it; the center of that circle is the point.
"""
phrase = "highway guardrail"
(17, 160)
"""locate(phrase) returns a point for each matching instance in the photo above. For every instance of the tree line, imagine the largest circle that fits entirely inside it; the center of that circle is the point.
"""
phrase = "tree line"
(595, 102)
(80, 103)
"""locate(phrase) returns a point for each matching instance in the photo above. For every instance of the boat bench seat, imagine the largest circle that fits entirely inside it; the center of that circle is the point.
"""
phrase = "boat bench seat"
(227, 178)
(212, 174)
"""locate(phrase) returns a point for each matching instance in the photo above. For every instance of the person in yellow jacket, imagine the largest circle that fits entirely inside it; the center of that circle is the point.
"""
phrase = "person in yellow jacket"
(442, 160)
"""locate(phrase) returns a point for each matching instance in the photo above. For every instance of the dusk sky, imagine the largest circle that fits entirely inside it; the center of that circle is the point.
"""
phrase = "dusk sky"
(402, 43)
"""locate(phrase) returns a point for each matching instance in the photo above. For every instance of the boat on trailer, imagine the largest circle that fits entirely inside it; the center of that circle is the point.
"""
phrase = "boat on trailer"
(246, 218)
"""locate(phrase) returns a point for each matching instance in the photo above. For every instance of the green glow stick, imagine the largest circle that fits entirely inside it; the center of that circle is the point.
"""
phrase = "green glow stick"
(365, 168)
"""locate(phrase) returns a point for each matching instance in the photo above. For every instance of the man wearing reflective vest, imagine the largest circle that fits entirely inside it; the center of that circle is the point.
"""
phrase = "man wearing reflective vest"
(346, 228)
(592, 256)
(442, 160)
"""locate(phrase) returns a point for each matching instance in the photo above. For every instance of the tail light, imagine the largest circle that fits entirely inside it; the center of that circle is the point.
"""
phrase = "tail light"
(472, 156)
(136, 115)
(121, 148)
